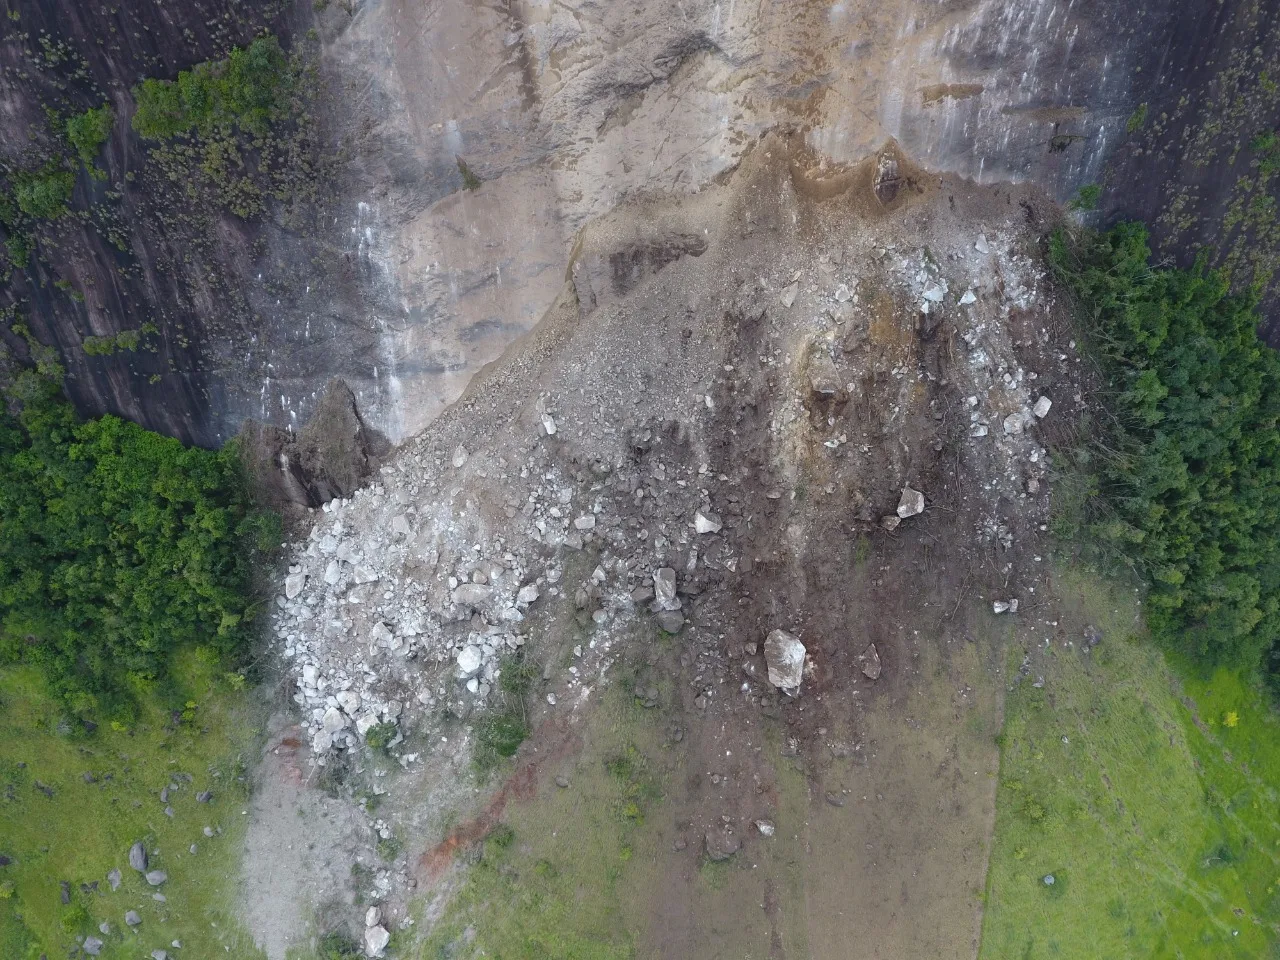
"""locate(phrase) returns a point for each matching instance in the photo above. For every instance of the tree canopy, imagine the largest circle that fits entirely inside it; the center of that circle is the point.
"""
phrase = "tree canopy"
(117, 546)
(1188, 477)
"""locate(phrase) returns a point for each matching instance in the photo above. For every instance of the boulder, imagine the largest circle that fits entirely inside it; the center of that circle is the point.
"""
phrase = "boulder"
(870, 660)
(472, 594)
(911, 503)
(706, 522)
(138, 857)
(349, 701)
(333, 721)
(670, 620)
(664, 589)
(469, 661)
(721, 844)
(784, 653)
(293, 584)
(376, 940)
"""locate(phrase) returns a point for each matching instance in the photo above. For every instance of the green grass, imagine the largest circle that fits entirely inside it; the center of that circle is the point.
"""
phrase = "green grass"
(85, 829)
(559, 877)
(1123, 779)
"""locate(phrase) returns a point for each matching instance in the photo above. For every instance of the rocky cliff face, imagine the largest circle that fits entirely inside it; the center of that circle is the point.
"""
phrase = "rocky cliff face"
(470, 144)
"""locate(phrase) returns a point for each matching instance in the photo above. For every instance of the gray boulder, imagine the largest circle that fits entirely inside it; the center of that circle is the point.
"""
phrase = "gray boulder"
(784, 653)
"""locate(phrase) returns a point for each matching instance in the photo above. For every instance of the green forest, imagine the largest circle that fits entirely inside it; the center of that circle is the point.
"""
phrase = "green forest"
(1184, 462)
(118, 547)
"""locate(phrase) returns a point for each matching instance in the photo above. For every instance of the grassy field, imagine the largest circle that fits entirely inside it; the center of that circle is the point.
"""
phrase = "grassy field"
(1147, 793)
(559, 876)
(72, 802)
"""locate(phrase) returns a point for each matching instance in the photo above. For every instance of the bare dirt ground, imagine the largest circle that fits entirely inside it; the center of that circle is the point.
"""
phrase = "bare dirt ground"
(784, 353)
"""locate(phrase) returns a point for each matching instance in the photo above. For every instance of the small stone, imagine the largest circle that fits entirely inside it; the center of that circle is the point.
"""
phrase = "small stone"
(999, 606)
(706, 522)
(131, 918)
(400, 526)
(664, 589)
(138, 857)
(767, 828)
(204, 796)
(585, 522)
(156, 877)
(870, 660)
(381, 635)
(372, 917)
(968, 298)
(92, 946)
(890, 522)
(469, 661)
(911, 503)
(159, 955)
(935, 293)
(459, 456)
(1041, 409)
(293, 584)
(784, 653)
(549, 424)
(835, 799)
(527, 595)
(981, 245)
(670, 620)
(1013, 424)
(789, 294)
(562, 782)
(375, 940)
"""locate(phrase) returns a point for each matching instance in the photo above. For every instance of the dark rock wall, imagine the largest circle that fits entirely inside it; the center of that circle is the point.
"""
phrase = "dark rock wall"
(128, 252)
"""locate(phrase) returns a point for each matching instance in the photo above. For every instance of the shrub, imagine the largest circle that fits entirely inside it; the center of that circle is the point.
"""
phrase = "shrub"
(88, 131)
(1137, 120)
(499, 736)
(247, 90)
(1087, 197)
(44, 193)
(380, 735)
(337, 945)
(117, 546)
(1187, 471)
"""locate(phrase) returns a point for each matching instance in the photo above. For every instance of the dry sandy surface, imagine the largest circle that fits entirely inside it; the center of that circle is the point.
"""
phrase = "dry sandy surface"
(783, 353)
